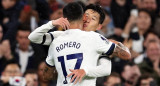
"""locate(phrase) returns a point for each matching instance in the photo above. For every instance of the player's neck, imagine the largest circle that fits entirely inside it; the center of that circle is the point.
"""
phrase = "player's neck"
(76, 25)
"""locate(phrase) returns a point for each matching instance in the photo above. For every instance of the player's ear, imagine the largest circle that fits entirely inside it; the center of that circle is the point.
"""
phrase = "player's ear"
(99, 27)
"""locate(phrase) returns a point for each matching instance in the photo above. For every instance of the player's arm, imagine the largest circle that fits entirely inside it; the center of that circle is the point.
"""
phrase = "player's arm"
(41, 35)
(103, 69)
(112, 48)
(120, 51)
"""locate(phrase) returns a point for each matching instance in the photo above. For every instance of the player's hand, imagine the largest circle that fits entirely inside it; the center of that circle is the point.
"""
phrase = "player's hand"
(63, 22)
(77, 74)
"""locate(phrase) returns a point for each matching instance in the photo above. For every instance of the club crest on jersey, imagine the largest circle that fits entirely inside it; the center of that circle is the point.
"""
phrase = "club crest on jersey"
(104, 39)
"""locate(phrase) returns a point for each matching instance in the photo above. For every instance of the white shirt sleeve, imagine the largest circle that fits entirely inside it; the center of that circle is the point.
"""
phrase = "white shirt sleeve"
(41, 36)
(103, 69)
(104, 45)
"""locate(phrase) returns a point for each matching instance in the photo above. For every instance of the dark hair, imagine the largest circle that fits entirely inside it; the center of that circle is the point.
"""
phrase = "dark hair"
(82, 5)
(126, 64)
(73, 11)
(145, 76)
(12, 62)
(144, 10)
(24, 27)
(114, 74)
(30, 71)
(99, 10)
(151, 15)
(150, 32)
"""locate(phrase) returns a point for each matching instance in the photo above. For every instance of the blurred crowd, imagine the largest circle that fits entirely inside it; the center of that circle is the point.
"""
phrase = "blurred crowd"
(135, 23)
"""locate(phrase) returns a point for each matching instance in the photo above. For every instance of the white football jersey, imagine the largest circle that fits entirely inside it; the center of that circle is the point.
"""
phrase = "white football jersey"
(76, 49)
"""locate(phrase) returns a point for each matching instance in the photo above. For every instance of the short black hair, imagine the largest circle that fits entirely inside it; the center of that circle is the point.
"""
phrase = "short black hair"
(113, 74)
(73, 11)
(10, 62)
(98, 9)
(146, 76)
(30, 71)
(151, 15)
(126, 64)
(82, 5)
(151, 31)
(24, 27)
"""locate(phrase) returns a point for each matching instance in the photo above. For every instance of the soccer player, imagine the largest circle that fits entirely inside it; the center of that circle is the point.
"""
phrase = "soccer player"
(41, 36)
(95, 12)
(60, 47)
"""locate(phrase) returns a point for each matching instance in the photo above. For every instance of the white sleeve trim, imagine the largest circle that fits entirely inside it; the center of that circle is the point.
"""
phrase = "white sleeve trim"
(111, 49)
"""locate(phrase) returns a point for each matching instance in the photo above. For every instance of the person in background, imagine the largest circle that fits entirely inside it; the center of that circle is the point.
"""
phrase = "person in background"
(148, 36)
(113, 80)
(9, 18)
(106, 4)
(57, 13)
(29, 16)
(1, 51)
(150, 5)
(41, 80)
(146, 80)
(153, 7)
(130, 74)
(42, 7)
(25, 53)
(31, 77)
(5, 51)
(12, 69)
(122, 8)
(152, 60)
(135, 33)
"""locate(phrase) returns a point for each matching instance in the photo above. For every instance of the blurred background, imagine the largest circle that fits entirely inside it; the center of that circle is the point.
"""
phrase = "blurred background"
(135, 23)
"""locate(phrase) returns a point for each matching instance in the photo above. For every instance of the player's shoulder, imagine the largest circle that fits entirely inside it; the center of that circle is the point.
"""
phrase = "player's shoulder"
(54, 32)
(91, 33)
(94, 34)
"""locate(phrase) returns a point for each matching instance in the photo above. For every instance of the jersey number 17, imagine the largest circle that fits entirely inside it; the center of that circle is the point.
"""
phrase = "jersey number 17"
(78, 56)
